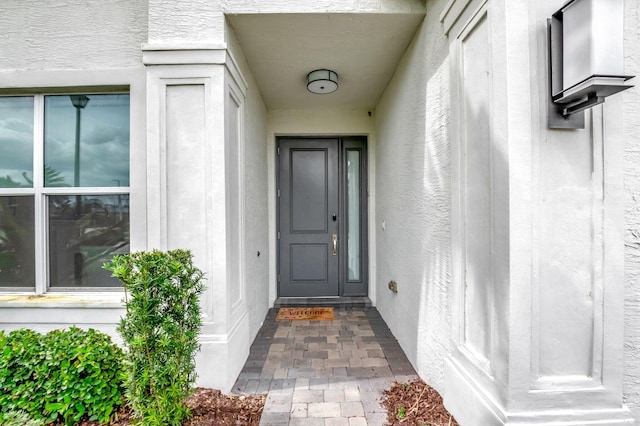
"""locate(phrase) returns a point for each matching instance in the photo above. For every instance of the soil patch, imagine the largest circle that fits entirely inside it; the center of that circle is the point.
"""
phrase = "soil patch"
(210, 407)
(415, 403)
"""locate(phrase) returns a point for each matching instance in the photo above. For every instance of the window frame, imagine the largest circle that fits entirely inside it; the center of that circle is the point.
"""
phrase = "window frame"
(40, 193)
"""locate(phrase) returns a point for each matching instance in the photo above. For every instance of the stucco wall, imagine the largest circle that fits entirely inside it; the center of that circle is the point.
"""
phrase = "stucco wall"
(255, 197)
(413, 201)
(203, 20)
(72, 34)
(631, 113)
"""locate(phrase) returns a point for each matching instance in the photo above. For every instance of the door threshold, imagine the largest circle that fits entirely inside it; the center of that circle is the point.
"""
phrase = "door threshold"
(336, 302)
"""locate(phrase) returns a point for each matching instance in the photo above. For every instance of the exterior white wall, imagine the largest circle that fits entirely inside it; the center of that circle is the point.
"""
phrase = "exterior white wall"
(71, 34)
(481, 194)
(553, 295)
(203, 150)
(256, 255)
(186, 186)
(578, 252)
(631, 102)
(413, 196)
(480, 223)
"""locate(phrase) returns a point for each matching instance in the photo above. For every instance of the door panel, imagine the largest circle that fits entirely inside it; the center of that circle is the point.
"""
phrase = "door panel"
(308, 178)
(308, 262)
(308, 182)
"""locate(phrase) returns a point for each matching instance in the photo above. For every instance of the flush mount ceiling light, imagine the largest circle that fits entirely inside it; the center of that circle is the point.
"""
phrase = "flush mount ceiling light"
(322, 81)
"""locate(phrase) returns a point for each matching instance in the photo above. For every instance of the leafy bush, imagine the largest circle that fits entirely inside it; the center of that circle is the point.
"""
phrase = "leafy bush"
(18, 418)
(64, 375)
(160, 331)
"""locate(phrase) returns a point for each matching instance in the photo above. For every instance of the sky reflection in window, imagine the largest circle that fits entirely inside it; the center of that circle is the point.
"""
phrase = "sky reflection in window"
(16, 142)
(103, 141)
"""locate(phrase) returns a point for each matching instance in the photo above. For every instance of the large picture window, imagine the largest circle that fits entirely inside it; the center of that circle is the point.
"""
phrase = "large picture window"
(64, 190)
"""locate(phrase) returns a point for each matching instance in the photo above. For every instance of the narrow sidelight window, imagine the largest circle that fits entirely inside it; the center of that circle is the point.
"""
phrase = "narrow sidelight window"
(353, 215)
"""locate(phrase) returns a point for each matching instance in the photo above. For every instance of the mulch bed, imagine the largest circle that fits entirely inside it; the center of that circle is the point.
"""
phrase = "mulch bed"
(210, 407)
(415, 403)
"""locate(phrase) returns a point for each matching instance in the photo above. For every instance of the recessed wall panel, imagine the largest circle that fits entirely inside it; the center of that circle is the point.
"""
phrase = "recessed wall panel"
(234, 193)
(477, 190)
(185, 167)
(570, 265)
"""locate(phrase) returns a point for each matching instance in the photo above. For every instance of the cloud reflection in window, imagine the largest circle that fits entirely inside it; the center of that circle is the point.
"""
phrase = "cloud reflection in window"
(103, 140)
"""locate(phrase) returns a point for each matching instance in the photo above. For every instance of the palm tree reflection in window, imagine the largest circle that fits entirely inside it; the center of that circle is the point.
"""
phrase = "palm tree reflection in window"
(84, 232)
(17, 258)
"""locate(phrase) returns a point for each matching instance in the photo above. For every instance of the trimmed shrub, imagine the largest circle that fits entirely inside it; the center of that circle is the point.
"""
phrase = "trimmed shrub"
(64, 375)
(160, 331)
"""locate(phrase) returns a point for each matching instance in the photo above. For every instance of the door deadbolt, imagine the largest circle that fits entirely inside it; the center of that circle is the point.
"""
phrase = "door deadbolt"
(334, 217)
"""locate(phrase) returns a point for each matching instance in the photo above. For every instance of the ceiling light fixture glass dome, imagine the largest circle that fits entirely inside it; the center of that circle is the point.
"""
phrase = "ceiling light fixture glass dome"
(322, 81)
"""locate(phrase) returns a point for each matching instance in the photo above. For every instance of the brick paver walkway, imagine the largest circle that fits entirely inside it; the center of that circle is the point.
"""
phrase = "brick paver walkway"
(326, 373)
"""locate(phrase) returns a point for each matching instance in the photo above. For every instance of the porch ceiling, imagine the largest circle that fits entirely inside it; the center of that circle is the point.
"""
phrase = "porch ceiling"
(364, 49)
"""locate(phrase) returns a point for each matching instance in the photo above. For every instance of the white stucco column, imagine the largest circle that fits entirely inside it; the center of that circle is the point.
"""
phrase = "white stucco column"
(537, 234)
(192, 194)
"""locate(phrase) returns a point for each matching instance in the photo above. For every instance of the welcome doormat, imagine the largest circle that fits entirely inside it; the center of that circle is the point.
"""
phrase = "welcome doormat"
(293, 314)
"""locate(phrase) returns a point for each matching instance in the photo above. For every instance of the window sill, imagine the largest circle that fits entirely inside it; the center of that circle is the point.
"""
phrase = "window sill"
(58, 300)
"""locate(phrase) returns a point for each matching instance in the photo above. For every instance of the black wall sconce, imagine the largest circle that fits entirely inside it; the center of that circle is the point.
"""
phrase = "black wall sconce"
(586, 61)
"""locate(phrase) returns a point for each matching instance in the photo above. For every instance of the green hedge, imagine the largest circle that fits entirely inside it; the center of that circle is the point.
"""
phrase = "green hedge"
(61, 376)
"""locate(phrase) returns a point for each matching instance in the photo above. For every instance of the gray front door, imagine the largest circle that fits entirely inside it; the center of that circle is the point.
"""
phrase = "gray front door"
(313, 230)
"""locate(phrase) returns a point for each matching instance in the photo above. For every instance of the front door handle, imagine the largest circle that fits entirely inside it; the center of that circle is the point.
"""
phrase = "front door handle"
(334, 237)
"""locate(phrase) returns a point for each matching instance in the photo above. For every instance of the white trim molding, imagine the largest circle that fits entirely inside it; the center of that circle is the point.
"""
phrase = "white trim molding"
(452, 12)
(184, 53)
(194, 54)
